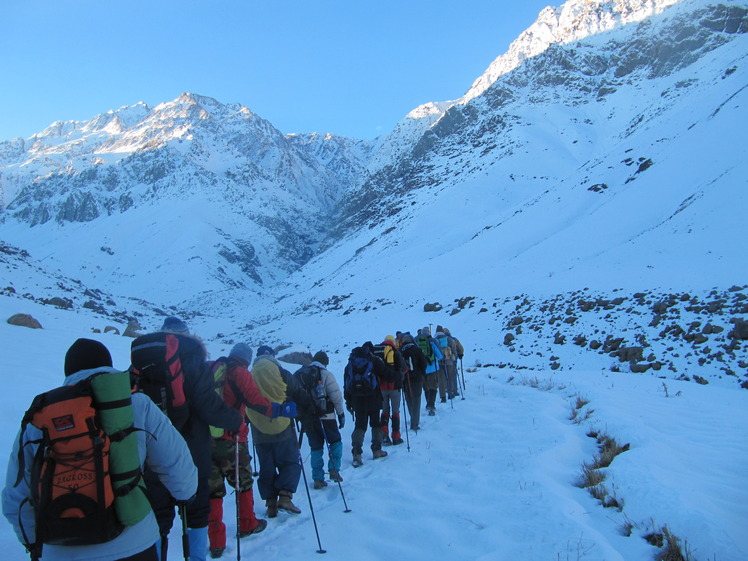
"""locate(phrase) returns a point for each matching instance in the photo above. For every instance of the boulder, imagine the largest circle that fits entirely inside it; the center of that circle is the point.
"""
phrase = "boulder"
(24, 320)
(133, 329)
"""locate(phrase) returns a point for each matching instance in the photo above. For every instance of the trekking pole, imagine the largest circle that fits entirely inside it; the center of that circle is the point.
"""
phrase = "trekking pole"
(185, 536)
(463, 376)
(306, 486)
(460, 385)
(236, 494)
(164, 545)
(329, 454)
(405, 415)
(255, 473)
(449, 384)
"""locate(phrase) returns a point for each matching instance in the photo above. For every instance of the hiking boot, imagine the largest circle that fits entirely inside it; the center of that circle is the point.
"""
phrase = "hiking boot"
(320, 483)
(379, 454)
(261, 525)
(357, 461)
(386, 440)
(397, 441)
(217, 552)
(335, 476)
(444, 400)
(272, 507)
(284, 503)
(432, 412)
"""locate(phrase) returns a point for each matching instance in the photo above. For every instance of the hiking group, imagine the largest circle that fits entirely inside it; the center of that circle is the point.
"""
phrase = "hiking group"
(101, 464)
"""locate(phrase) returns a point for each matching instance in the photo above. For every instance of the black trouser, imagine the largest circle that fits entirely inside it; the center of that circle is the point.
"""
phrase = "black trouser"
(364, 414)
(412, 386)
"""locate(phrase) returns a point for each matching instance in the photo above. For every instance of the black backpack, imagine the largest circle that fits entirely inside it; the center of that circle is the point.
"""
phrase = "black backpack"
(388, 355)
(359, 379)
(157, 372)
(309, 378)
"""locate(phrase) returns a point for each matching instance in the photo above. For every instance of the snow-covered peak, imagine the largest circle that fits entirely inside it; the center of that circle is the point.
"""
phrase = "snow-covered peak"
(574, 20)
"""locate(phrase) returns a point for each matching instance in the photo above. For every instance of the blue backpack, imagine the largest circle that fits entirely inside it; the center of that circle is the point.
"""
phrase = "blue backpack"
(359, 379)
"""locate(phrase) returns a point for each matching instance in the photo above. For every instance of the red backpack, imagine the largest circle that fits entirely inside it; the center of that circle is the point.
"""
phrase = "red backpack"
(157, 372)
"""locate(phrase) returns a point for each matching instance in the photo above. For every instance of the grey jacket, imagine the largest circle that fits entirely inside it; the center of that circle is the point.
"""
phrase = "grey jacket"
(159, 445)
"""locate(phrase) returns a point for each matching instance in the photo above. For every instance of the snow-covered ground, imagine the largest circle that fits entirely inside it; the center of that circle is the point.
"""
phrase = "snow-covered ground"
(490, 477)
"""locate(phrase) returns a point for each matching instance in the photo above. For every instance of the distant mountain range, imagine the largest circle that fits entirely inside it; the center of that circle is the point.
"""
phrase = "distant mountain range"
(605, 148)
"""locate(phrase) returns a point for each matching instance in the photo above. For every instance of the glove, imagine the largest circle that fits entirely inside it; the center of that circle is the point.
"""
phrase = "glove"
(288, 410)
(284, 410)
(341, 420)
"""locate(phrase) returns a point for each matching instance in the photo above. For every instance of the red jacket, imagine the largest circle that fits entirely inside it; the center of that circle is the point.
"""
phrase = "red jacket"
(239, 378)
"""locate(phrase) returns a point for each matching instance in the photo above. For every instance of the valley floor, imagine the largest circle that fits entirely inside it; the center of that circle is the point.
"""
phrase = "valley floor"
(495, 478)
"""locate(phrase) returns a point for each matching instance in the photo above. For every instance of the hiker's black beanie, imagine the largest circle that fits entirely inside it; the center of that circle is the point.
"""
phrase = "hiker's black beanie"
(85, 354)
(321, 357)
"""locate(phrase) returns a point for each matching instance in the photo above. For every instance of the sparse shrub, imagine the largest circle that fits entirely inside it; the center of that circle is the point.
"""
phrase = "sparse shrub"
(591, 477)
(655, 538)
(609, 449)
(581, 402)
(627, 527)
(672, 551)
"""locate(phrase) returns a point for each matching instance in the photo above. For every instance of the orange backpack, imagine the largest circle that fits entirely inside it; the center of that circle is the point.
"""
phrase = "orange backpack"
(71, 486)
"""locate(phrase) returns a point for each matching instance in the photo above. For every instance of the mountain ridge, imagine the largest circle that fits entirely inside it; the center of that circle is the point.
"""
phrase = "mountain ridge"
(569, 129)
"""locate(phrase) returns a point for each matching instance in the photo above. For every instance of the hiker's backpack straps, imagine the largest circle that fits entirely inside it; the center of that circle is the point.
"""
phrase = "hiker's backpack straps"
(361, 380)
(309, 378)
(219, 368)
(157, 369)
(71, 488)
(424, 343)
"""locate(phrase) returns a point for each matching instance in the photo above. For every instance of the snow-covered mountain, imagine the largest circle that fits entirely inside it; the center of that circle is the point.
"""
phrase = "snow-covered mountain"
(603, 152)
(575, 218)
(248, 204)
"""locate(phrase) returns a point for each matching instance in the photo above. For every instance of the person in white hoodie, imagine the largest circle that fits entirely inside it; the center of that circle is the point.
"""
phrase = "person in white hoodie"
(160, 446)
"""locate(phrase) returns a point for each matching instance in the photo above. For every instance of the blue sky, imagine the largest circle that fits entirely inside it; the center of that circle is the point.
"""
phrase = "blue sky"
(348, 67)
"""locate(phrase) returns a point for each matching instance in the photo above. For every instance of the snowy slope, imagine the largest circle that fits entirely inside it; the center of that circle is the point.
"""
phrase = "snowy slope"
(492, 476)
(574, 219)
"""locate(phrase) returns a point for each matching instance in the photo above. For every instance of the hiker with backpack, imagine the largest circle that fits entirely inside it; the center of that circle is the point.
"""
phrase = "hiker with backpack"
(433, 357)
(391, 386)
(170, 367)
(450, 360)
(230, 452)
(323, 418)
(363, 399)
(275, 439)
(126, 528)
(414, 378)
(448, 373)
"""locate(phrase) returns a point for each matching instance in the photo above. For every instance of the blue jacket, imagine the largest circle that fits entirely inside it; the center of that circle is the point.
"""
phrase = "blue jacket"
(434, 365)
(159, 445)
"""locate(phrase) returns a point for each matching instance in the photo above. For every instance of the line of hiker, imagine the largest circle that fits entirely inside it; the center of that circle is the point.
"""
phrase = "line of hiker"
(377, 375)
(100, 465)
